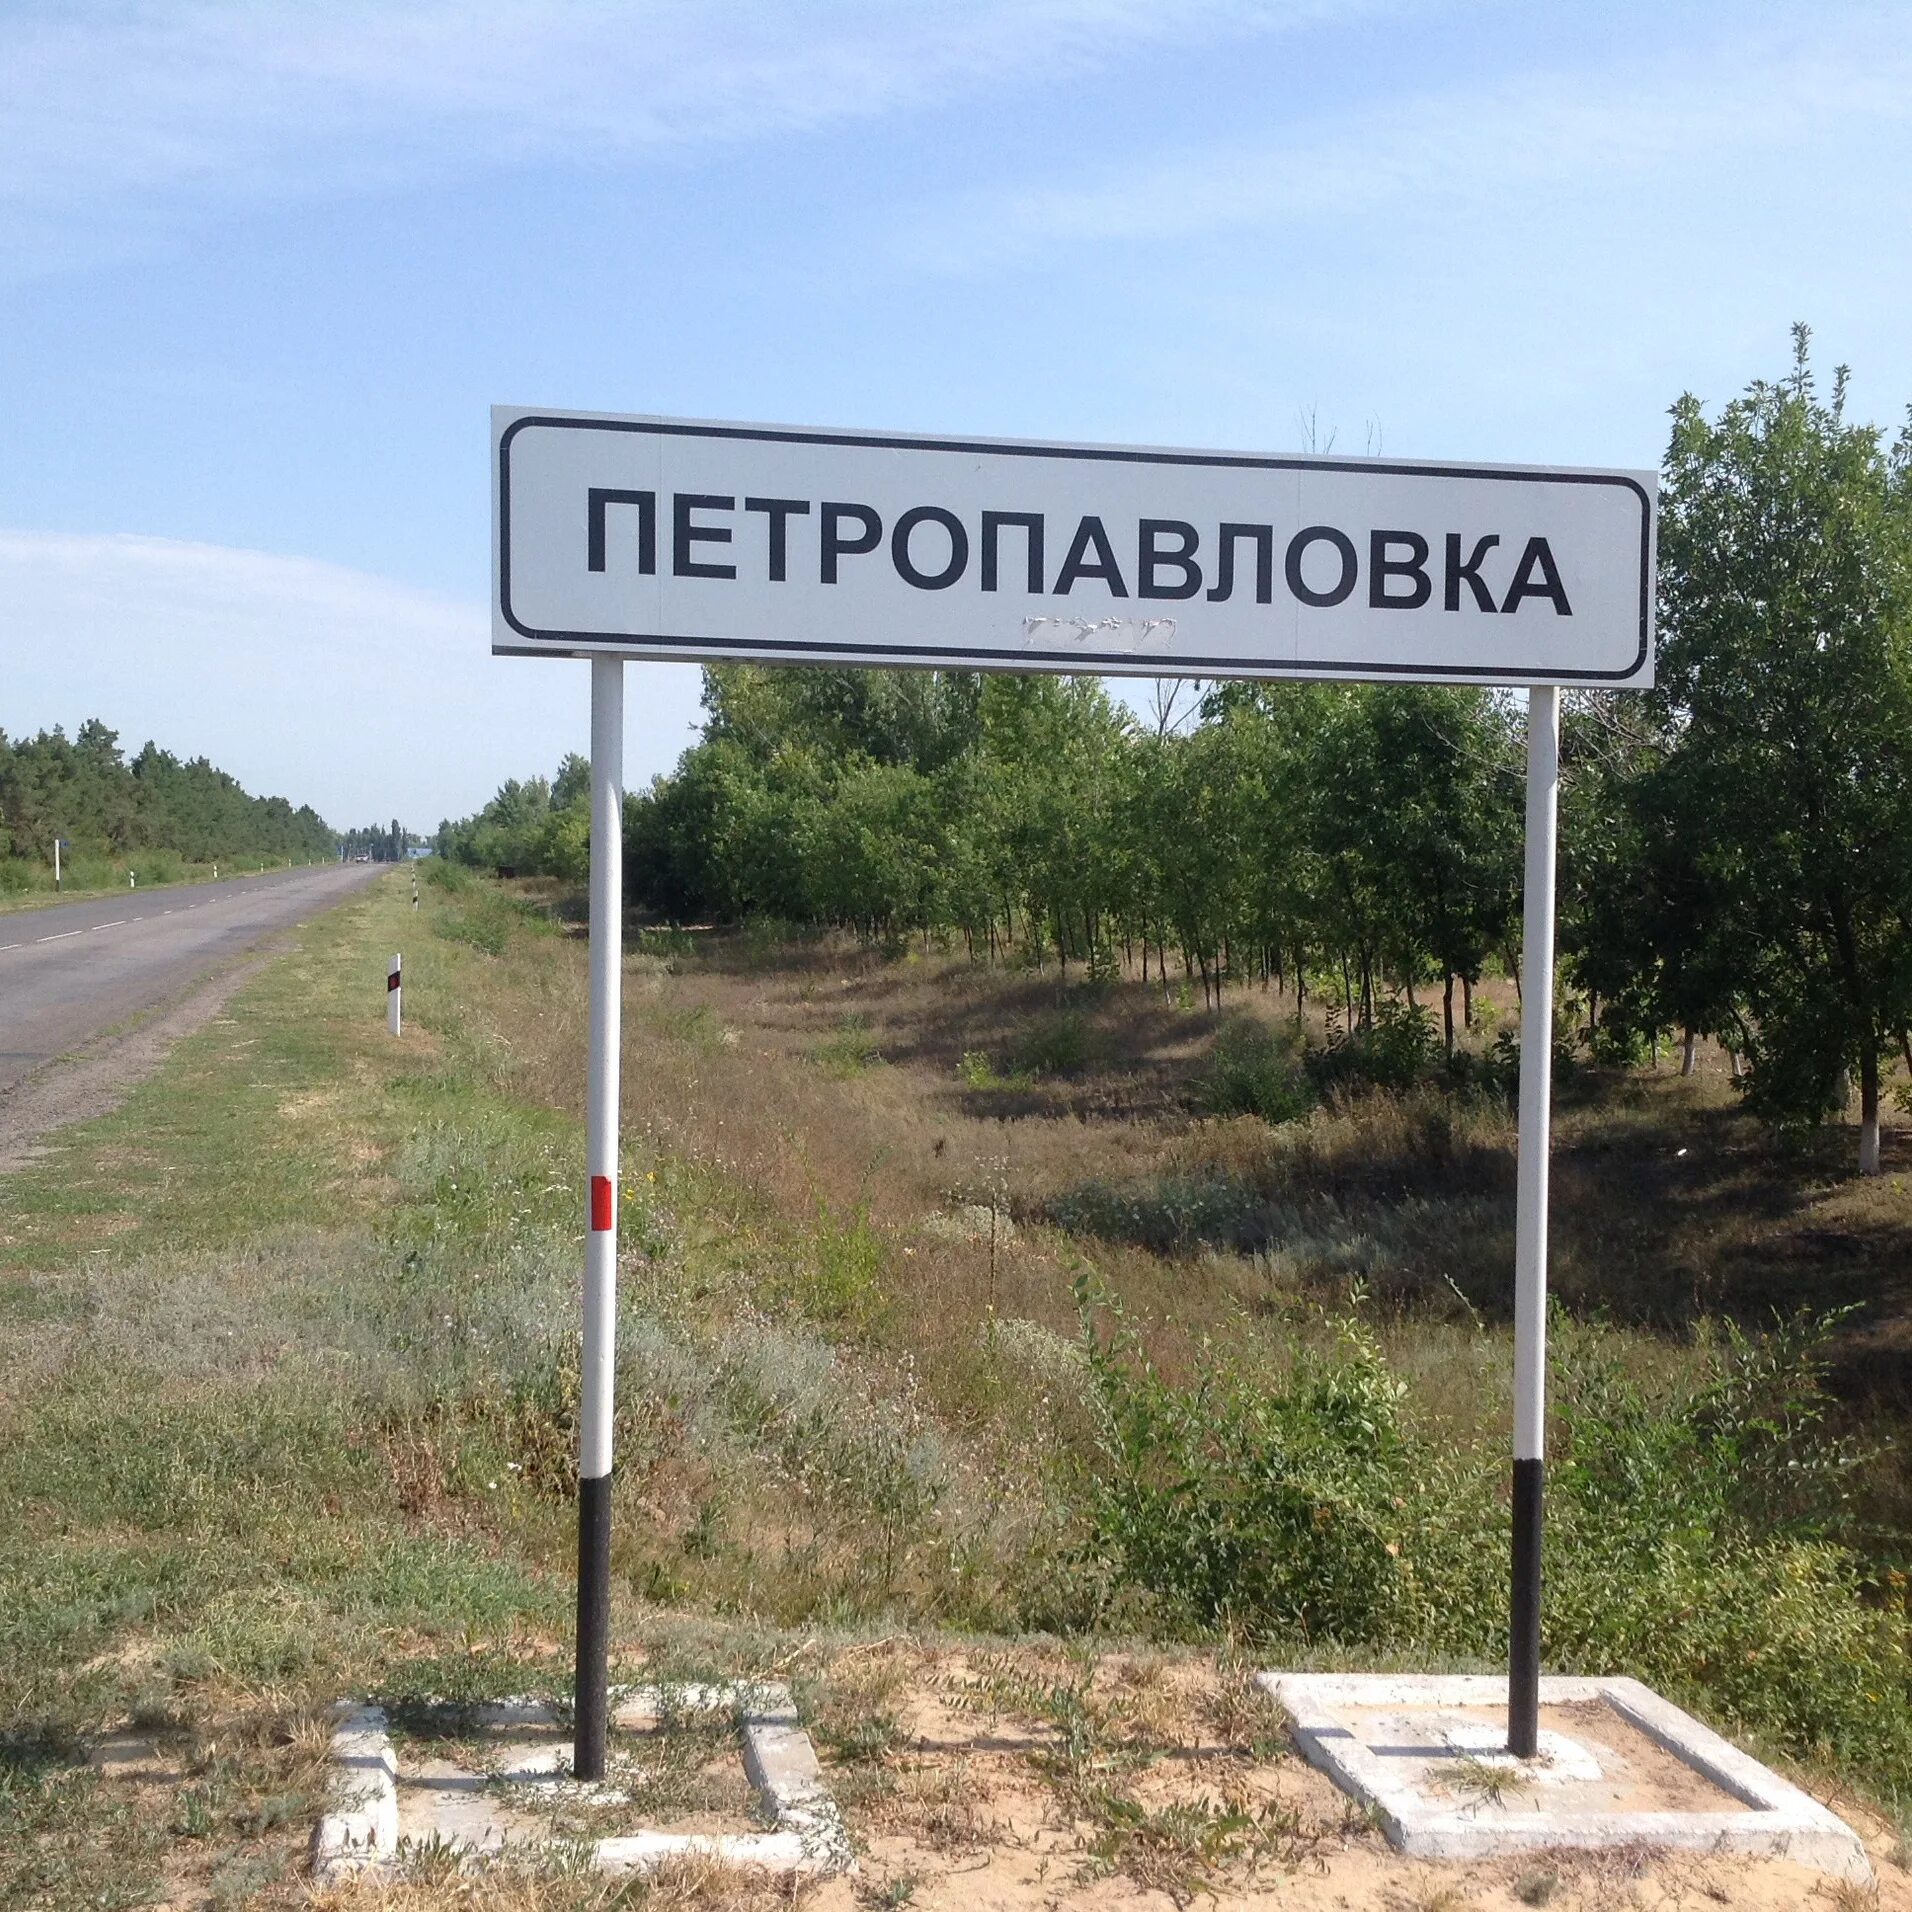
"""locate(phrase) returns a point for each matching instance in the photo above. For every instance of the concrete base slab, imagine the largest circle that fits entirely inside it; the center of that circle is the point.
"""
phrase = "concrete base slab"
(1617, 1766)
(393, 1805)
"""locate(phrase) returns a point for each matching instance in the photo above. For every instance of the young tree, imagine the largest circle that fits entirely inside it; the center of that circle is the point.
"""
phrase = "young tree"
(1785, 684)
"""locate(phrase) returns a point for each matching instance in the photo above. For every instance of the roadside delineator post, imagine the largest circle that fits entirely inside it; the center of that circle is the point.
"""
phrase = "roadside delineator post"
(394, 999)
(1530, 1216)
(591, 1701)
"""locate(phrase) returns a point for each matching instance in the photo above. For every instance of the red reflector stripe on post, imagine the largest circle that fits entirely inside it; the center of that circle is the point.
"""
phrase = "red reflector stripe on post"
(603, 1204)
(391, 981)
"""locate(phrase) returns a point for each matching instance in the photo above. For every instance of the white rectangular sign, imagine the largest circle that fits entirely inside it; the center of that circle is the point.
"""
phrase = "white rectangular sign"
(670, 538)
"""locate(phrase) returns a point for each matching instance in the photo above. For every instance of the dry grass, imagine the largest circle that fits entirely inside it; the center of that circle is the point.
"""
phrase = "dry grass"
(680, 1885)
(1670, 1204)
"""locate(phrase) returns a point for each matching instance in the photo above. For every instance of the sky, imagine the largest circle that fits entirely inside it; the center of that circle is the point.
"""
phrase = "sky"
(265, 264)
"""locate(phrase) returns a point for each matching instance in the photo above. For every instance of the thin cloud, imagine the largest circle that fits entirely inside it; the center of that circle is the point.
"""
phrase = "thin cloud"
(1530, 131)
(121, 124)
(329, 686)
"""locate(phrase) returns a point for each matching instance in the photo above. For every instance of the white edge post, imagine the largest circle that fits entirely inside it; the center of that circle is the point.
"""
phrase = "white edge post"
(600, 1241)
(394, 997)
(1530, 1217)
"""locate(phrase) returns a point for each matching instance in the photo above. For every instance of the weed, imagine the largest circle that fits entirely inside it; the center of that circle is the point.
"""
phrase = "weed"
(1395, 1052)
(841, 1273)
(1242, 1714)
(1180, 1848)
(435, 1859)
(1848, 1895)
(484, 923)
(1253, 1070)
(1485, 1782)
(852, 1708)
(193, 1814)
(1537, 1884)
(1303, 1507)
(667, 945)
(1277, 1509)
(1433, 1898)
(311, 1430)
(978, 1072)
(698, 1027)
(1056, 1045)
(850, 1051)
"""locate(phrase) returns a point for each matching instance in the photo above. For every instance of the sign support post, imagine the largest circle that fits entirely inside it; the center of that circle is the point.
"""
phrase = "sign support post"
(1530, 1220)
(600, 1241)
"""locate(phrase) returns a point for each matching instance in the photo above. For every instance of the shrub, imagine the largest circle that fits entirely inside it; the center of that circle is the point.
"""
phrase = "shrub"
(1273, 1510)
(666, 944)
(978, 1072)
(1055, 1046)
(1694, 1540)
(764, 935)
(1494, 1070)
(1394, 1052)
(1252, 1071)
(849, 1050)
(839, 1275)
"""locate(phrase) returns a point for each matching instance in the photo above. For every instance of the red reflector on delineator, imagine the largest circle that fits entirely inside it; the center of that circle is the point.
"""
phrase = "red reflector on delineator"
(603, 1204)
(391, 981)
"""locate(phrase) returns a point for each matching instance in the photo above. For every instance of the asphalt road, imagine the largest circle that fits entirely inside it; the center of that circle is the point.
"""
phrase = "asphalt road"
(72, 972)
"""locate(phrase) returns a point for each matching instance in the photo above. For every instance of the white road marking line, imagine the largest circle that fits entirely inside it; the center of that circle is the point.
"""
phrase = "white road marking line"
(63, 935)
(118, 922)
(4, 946)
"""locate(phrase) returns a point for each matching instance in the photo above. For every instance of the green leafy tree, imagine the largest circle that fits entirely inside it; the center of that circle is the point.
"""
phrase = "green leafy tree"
(1785, 687)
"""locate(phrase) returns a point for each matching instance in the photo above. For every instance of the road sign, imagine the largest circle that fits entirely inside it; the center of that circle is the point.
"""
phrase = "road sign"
(619, 537)
(670, 538)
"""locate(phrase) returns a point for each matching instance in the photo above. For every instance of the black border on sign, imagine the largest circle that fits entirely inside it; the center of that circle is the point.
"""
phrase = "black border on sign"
(1084, 662)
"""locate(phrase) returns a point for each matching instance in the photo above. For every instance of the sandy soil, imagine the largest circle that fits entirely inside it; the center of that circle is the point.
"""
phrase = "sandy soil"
(977, 1810)
(1012, 1783)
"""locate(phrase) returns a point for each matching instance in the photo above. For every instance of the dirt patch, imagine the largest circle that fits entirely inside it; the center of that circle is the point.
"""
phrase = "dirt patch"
(1032, 1782)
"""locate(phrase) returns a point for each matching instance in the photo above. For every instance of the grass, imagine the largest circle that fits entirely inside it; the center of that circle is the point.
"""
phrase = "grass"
(29, 886)
(288, 1376)
(1487, 1782)
(849, 1050)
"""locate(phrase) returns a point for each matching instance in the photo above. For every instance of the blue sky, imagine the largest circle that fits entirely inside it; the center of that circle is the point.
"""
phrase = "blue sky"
(264, 266)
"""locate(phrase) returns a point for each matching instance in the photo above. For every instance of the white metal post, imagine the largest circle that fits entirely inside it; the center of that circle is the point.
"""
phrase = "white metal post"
(600, 1241)
(56, 863)
(394, 998)
(1530, 1215)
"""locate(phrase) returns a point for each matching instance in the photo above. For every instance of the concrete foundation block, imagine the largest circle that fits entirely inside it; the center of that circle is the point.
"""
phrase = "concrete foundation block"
(1618, 1766)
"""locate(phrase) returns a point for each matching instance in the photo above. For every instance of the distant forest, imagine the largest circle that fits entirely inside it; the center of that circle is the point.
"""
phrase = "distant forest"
(81, 788)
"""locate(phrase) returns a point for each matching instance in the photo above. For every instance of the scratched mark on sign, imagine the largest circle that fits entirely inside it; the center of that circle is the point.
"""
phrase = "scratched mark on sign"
(1102, 633)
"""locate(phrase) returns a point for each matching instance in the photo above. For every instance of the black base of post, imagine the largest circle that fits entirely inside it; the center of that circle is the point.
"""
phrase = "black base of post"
(1523, 1653)
(591, 1703)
